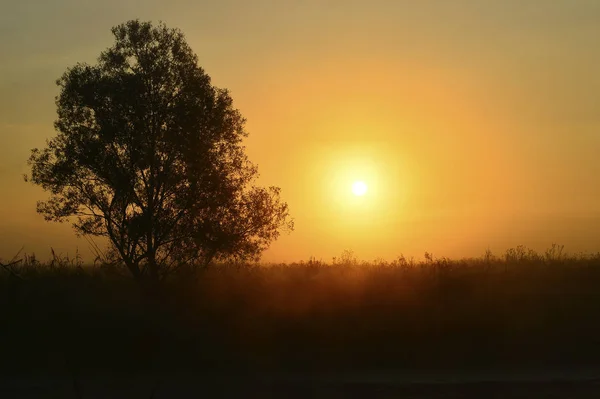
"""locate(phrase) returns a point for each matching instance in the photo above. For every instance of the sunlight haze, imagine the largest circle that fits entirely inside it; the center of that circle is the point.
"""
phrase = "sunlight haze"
(470, 124)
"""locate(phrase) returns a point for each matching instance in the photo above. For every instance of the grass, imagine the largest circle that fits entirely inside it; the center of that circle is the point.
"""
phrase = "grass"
(521, 309)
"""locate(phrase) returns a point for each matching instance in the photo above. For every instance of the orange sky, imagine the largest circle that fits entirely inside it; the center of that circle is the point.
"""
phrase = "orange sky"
(475, 124)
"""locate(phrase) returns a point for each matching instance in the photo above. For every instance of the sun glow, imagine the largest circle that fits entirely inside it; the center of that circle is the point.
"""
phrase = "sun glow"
(361, 191)
(359, 188)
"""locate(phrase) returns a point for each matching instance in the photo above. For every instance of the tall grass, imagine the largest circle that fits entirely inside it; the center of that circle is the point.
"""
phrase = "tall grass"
(520, 309)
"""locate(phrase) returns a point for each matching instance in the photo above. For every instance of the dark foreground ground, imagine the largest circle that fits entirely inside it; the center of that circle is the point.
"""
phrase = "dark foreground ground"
(525, 325)
(524, 384)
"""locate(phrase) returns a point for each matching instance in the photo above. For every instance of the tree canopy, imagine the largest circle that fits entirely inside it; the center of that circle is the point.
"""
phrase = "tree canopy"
(149, 154)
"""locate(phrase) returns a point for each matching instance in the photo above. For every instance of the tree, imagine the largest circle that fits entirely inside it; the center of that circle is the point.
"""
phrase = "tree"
(149, 154)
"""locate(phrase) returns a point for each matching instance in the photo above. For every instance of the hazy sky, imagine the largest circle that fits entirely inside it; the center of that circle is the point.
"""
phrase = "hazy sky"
(475, 123)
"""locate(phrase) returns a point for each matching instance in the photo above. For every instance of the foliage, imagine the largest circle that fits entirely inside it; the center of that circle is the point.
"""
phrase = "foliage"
(149, 154)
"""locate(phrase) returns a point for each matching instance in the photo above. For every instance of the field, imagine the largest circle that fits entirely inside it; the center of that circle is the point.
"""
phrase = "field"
(518, 311)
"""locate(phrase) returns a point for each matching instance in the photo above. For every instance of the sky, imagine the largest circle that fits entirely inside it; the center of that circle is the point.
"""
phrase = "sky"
(475, 124)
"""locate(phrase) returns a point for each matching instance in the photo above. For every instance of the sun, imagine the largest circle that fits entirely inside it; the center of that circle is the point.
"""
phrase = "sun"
(359, 188)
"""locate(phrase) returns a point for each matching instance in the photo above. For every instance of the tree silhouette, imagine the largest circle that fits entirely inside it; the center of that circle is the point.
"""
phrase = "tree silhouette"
(149, 154)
